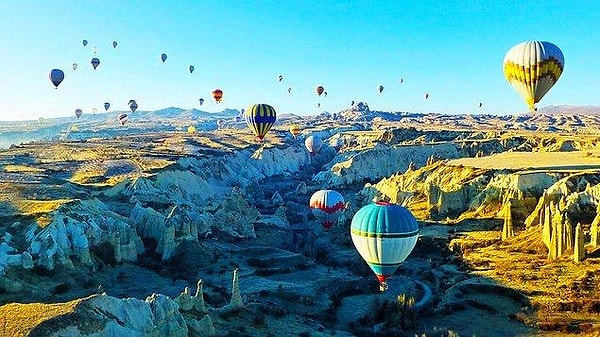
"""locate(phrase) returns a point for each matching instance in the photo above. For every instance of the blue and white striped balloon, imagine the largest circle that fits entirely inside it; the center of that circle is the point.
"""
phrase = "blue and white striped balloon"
(384, 234)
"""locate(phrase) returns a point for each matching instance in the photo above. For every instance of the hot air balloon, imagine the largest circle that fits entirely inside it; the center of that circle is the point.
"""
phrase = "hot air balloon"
(260, 118)
(280, 78)
(480, 105)
(313, 144)
(289, 90)
(85, 42)
(191, 69)
(191, 129)
(426, 95)
(94, 110)
(56, 77)
(325, 93)
(217, 94)
(201, 101)
(318, 105)
(352, 103)
(95, 62)
(380, 89)
(401, 80)
(295, 130)
(384, 234)
(220, 123)
(532, 68)
(114, 44)
(319, 90)
(163, 57)
(106, 106)
(78, 113)
(327, 205)
(132, 105)
(75, 66)
(122, 118)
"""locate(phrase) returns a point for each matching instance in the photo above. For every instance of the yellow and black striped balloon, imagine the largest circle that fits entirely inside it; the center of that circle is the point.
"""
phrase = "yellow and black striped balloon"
(260, 118)
(532, 68)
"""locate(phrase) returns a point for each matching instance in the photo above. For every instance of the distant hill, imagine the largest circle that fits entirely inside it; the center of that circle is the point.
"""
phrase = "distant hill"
(570, 110)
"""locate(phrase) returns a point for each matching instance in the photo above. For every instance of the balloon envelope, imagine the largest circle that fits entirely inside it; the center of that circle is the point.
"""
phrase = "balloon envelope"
(133, 105)
(319, 90)
(384, 234)
(191, 69)
(163, 57)
(106, 106)
(75, 66)
(122, 118)
(260, 118)
(201, 101)
(380, 89)
(532, 68)
(85, 42)
(56, 77)
(295, 130)
(313, 144)
(114, 44)
(327, 205)
(78, 113)
(217, 94)
(95, 62)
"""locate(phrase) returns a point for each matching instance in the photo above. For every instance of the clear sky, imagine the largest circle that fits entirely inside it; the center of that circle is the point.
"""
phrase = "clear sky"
(451, 49)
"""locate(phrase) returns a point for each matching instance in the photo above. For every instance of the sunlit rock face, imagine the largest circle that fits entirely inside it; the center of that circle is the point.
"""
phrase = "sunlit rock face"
(454, 191)
(76, 228)
(381, 161)
(158, 315)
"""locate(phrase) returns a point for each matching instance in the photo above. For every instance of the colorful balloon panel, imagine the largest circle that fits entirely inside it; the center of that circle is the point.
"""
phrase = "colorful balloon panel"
(532, 68)
(260, 118)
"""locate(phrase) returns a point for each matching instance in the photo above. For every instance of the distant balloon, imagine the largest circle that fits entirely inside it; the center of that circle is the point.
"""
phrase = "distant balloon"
(401, 80)
(327, 205)
(532, 68)
(114, 44)
(319, 90)
(85, 42)
(191, 69)
(75, 66)
(295, 130)
(289, 90)
(217, 94)
(78, 113)
(325, 93)
(106, 106)
(56, 77)
(426, 95)
(201, 101)
(94, 110)
(191, 129)
(352, 103)
(220, 123)
(122, 118)
(132, 105)
(280, 78)
(260, 118)
(313, 144)
(95, 62)
(380, 89)
(163, 57)
(480, 105)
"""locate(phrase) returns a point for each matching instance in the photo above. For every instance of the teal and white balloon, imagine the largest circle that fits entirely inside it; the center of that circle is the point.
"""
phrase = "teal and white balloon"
(384, 234)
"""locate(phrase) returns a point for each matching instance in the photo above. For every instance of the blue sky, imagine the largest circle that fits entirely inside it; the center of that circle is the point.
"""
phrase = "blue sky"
(451, 49)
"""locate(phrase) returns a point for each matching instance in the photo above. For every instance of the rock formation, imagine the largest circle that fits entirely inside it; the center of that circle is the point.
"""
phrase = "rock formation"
(579, 249)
